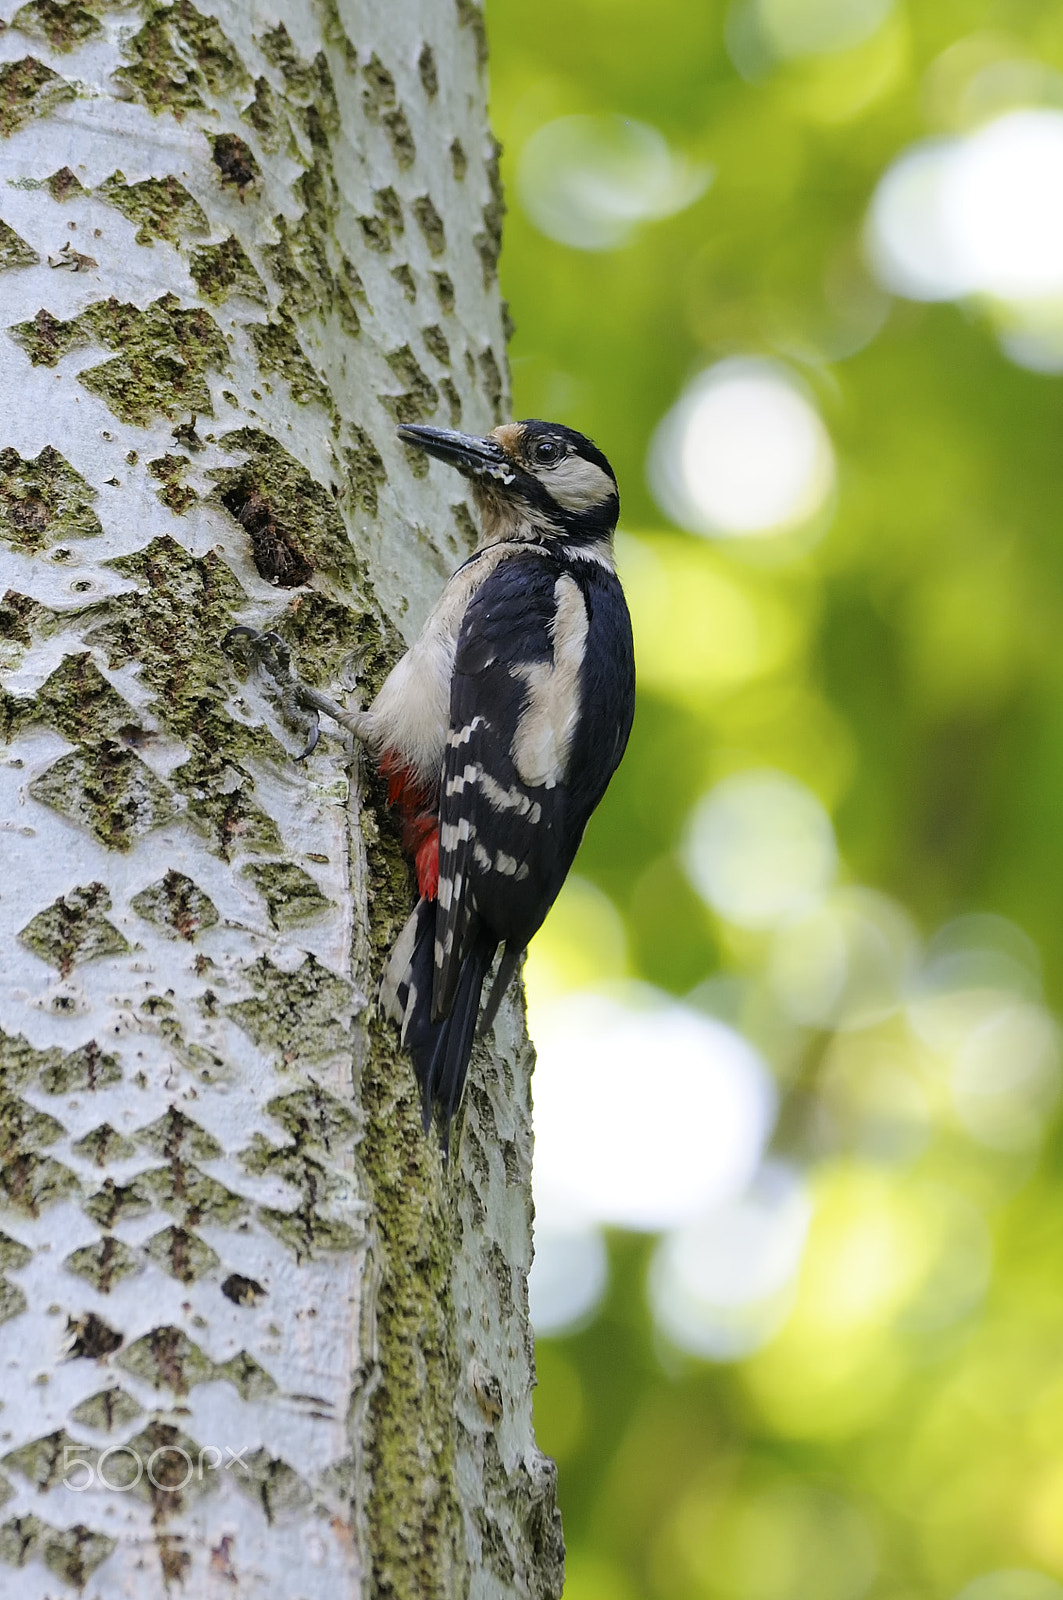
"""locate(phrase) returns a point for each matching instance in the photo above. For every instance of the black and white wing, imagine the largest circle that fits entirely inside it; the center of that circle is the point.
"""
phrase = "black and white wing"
(542, 695)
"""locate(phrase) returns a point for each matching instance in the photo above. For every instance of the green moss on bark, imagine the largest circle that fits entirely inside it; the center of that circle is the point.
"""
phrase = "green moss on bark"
(290, 893)
(74, 929)
(42, 499)
(278, 350)
(163, 353)
(420, 396)
(63, 23)
(302, 510)
(225, 269)
(162, 208)
(176, 904)
(174, 494)
(28, 89)
(303, 1015)
(14, 251)
(106, 789)
(178, 57)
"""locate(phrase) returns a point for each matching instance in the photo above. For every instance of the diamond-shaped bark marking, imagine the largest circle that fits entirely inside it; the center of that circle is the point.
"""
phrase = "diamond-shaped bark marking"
(42, 1461)
(315, 1183)
(105, 1262)
(88, 1067)
(167, 1358)
(180, 1467)
(250, 1381)
(275, 1485)
(290, 893)
(303, 1014)
(14, 251)
(103, 1145)
(162, 208)
(178, 1138)
(74, 928)
(29, 89)
(220, 804)
(74, 1553)
(185, 1256)
(115, 1202)
(173, 625)
(24, 1128)
(107, 1410)
(164, 351)
(191, 1195)
(29, 1182)
(305, 1233)
(12, 1300)
(19, 1061)
(13, 1255)
(43, 499)
(313, 1116)
(89, 1338)
(20, 1539)
(176, 904)
(78, 700)
(106, 789)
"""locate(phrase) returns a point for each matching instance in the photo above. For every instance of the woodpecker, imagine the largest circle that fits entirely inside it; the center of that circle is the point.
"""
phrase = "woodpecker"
(498, 730)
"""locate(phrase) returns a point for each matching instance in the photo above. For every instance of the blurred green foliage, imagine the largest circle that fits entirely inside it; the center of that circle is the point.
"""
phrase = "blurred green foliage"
(907, 667)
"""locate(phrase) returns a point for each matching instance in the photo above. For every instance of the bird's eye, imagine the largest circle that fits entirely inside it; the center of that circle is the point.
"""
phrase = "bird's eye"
(547, 452)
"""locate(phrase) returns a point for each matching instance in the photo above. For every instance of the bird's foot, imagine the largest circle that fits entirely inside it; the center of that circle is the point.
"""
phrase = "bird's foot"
(300, 705)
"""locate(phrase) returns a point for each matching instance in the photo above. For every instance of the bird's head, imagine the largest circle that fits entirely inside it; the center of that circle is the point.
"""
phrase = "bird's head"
(532, 480)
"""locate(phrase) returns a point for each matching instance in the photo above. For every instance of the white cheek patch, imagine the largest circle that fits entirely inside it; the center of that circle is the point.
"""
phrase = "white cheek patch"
(544, 733)
(578, 485)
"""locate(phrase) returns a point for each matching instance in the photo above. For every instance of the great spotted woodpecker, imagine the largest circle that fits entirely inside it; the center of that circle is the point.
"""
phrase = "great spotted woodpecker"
(499, 730)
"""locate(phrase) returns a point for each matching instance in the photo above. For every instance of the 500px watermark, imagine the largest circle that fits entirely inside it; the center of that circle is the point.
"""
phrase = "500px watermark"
(169, 1468)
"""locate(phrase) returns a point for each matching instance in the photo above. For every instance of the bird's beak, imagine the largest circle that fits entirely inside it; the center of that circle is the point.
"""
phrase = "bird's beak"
(474, 457)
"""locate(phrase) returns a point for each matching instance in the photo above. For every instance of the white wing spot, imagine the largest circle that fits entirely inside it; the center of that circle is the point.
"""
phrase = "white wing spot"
(543, 739)
(459, 736)
(508, 799)
(451, 834)
(456, 784)
(506, 864)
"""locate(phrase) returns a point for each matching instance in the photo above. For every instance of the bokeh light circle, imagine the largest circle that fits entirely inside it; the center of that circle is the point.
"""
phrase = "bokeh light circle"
(1002, 205)
(742, 453)
(588, 181)
(979, 215)
(760, 847)
(719, 1286)
(646, 1112)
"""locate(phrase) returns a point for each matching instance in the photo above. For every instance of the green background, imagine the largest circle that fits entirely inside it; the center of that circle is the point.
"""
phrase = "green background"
(909, 671)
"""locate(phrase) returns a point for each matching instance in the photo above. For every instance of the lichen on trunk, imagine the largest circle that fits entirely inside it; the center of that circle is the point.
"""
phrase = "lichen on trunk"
(257, 1337)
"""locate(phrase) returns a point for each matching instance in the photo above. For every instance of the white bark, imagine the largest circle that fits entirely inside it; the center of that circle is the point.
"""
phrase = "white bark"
(222, 1230)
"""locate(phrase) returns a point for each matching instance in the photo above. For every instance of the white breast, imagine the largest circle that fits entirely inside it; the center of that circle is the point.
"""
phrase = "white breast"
(411, 714)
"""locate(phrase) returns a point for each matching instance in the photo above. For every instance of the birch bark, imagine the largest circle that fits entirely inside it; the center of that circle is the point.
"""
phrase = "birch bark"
(255, 1341)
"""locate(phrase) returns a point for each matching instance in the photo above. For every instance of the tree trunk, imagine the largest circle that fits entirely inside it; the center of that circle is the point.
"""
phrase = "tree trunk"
(255, 1339)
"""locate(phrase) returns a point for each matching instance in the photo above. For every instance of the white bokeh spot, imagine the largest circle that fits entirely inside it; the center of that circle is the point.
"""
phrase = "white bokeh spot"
(760, 847)
(981, 216)
(589, 181)
(721, 1286)
(742, 453)
(646, 1112)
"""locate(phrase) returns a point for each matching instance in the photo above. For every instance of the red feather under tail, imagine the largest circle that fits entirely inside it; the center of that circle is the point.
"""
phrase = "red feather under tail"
(420, 824)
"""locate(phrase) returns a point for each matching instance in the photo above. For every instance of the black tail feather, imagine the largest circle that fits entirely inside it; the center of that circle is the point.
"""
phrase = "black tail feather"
(440, 1050)
(507, 968)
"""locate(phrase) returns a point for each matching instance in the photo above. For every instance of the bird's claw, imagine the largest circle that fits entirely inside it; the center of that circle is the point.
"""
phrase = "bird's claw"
(269, 652)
